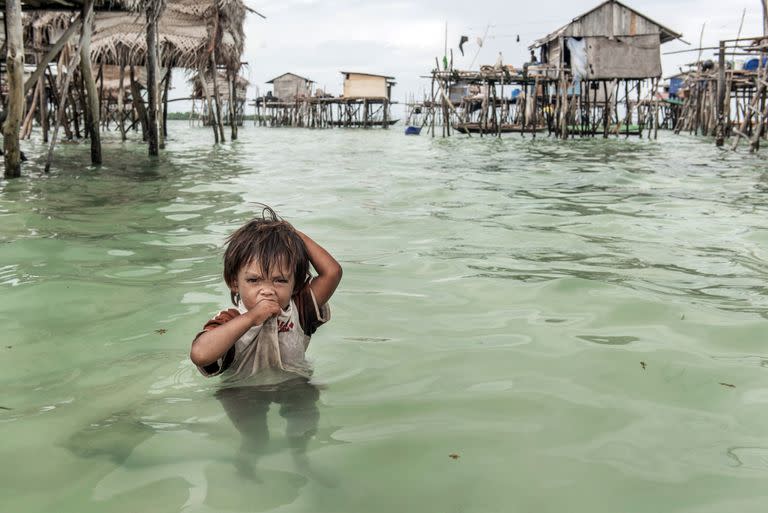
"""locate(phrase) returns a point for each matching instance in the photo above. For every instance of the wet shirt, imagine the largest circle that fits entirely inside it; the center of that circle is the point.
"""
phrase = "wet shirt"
(274, 351)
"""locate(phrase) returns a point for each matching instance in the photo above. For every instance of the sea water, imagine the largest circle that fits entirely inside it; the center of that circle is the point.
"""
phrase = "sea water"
(524, 325)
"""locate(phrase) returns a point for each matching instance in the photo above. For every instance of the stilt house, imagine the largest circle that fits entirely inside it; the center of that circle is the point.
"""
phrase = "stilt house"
(366, 86)
(289, 86)
(611, 41)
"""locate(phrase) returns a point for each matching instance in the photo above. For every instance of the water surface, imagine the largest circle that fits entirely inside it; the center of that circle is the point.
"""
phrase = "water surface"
(522, 326)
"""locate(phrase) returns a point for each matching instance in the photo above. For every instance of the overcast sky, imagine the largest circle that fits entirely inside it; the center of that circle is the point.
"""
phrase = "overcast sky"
(401, 38)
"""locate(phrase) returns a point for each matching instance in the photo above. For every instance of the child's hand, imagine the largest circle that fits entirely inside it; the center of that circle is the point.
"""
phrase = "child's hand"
(263, 310)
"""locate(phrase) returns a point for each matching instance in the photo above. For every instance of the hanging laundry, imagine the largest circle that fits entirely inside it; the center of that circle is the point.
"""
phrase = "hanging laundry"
(462, 40)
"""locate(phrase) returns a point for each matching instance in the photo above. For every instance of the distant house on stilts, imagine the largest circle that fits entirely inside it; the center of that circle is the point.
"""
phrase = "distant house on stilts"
(608, 46)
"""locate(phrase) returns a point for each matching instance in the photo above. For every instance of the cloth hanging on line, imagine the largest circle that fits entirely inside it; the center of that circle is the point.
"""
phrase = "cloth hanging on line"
(462, 40)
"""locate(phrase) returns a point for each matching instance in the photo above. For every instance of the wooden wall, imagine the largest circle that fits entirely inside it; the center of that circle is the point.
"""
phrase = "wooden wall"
(287, 87)
(625, 57)
(365, 86)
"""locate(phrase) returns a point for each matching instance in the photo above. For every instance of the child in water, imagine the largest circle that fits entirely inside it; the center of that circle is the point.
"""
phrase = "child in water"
(258, 348)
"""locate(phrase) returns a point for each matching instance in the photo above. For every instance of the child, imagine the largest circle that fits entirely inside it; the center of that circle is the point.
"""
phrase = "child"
(258, 349)
(266, 267)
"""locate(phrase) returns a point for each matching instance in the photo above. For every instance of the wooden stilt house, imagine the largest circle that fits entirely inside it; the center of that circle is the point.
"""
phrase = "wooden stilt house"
(600, 61)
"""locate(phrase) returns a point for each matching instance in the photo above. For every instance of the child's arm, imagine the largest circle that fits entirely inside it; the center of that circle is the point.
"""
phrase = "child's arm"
(328, 270)
(212, 344)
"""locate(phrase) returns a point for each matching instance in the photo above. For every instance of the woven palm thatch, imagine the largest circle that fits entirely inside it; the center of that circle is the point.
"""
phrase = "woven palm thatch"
(188, 30)
(111, 79)
(44, 24)
(43, 28)
(241, 85)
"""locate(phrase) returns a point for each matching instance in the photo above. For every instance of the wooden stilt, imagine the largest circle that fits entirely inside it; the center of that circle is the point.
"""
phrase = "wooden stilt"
(212, 121)
(43, 109)
(121, 101)
(93, 107)
(216, 97)
(152, 136)
(14, 61)
(166, 88)
(26, 126)
(63, 94)
(232, 82)
(138, 104)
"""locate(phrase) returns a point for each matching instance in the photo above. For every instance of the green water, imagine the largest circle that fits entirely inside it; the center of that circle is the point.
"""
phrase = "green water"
(500, 299)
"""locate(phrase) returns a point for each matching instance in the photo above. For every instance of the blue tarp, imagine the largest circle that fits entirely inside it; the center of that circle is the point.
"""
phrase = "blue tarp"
(674, 85)
(751, 64)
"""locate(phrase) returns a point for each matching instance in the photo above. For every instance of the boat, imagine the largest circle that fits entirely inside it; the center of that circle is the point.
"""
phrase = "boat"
(358, 123)
(475, 128)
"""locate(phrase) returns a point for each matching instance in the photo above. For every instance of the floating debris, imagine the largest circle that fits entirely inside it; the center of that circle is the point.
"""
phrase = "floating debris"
(453, 456)
(5, 408)
(642, 364)
(728, 385)
(161, 331)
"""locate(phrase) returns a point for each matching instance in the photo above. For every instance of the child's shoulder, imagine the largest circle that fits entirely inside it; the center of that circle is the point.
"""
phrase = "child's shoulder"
(222, 317)
(311, 315)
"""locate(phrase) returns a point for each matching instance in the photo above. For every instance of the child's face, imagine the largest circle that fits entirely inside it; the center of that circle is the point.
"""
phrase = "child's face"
(254, 286)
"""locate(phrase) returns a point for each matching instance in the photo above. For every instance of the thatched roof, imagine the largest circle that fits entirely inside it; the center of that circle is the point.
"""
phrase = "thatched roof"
(111, 77)
(75, 5)
(221, 81)
(188, 30)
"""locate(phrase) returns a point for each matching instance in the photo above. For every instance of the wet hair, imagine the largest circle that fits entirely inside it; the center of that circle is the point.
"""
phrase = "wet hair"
(270, 241)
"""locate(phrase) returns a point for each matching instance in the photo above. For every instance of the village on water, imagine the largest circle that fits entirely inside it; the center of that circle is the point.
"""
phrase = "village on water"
(73, 69)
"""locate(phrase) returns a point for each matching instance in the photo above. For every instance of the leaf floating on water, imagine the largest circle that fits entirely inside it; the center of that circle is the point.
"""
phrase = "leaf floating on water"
(161, 331)
(642, 364)
(728, 385)
(610, 340)
(453, 456)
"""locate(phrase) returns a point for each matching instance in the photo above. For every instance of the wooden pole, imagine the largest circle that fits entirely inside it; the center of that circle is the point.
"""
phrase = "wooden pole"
(138, 104)
(204, 85)
(64, 94)
(152, 136)
(121, 101)
(14, 61)
(92, 104)
(26, 126)
(43, 108)
(720, 130)
(232, 106)
(165, 100)
(765, 18)
(216, 99)
(432, 106)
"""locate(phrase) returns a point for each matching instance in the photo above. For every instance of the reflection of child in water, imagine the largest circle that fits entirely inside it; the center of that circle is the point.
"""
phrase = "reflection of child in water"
(258, 349)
